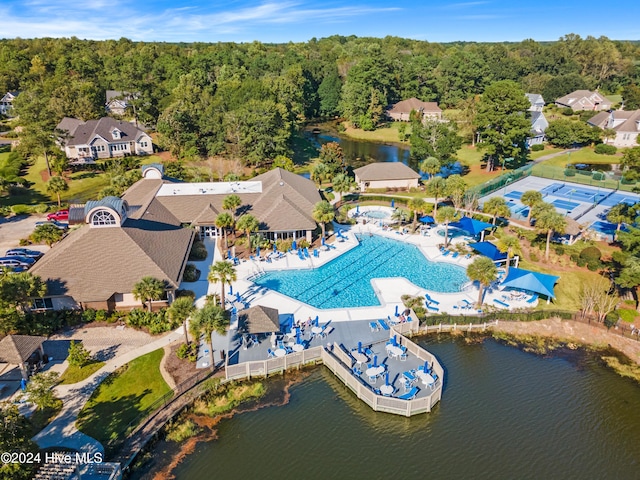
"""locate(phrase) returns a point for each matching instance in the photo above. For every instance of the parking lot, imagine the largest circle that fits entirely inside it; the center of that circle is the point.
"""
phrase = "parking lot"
(13, 229)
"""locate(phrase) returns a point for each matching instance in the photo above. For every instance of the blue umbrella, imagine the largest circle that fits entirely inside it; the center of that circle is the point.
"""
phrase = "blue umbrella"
(397, 310)
(375, 361)
(298, 336)
(258, 250)
(317, 320)
(294, 245)
(359, 347)
(23, 384)
(323, 241)
(229, 253)
(426, 366)
(393, 203)
(230, 289)
(393, 341)
(357, 209)
(386, 379)
(238, 298)
(234, 310)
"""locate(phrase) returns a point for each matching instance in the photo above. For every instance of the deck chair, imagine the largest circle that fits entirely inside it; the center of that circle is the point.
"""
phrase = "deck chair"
(410, 395)
(383, 324)
(270, 353)
(374, 327)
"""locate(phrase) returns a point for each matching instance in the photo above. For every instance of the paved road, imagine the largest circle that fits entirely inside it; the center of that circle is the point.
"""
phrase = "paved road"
(12, 229)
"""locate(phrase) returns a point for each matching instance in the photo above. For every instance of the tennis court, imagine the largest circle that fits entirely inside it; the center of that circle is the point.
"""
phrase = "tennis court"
(588, 206)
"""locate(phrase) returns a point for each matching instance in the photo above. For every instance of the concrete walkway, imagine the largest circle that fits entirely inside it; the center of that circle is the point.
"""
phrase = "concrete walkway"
(62, 431)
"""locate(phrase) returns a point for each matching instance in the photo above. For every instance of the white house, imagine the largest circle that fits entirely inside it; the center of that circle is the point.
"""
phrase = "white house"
(386, 175)
(103, 138)
(539, 122)
(118, 102)
(584, 100)
(626, 124)
(6, 103)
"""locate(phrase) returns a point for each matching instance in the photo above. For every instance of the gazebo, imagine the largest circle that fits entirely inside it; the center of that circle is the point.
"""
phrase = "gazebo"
(259, 319)
(22, 350)
(532, 281)
(471, 226)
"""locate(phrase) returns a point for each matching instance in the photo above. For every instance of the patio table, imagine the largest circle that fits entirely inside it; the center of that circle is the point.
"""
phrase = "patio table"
(425, 378)
(316, 330)
(297, 347)
(394, 350)
(359, 356)
(375, 371)
(386, 389)
(280, 352)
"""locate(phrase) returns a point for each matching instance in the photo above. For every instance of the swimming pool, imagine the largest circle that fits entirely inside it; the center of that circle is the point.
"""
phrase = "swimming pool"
(346, 281)
(377, 214)
(452, 232)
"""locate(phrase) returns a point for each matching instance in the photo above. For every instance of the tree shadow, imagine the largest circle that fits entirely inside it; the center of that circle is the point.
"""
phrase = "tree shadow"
(106, 353)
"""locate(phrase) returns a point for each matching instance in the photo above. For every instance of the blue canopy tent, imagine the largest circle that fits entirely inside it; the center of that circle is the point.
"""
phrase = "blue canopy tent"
(427, 219)
(471, 226)
(532, 281)
(488, 249)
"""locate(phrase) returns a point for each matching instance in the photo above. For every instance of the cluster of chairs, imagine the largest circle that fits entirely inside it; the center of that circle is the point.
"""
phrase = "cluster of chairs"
(466, 305)
(249, 340)
(431, 304)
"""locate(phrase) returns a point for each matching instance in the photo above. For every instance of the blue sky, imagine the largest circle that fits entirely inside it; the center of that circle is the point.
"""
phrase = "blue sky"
(300, 20)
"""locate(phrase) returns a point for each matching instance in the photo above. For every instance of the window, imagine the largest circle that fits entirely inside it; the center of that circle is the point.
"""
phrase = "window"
(42, 303)
(143, 144)
(103, 217)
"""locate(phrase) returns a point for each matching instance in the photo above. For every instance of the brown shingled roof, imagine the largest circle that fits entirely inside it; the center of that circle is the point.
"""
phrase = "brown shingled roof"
(385, 171)
(259, 319)
(406, 106)
(16, 349)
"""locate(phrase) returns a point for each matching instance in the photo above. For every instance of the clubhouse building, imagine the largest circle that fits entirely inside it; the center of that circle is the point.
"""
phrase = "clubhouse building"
(149, 231)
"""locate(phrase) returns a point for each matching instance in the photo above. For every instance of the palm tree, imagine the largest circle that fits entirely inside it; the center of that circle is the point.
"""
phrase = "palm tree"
(319, 173)
(222, 272)
(224, 221)
(400, 215)
(231, 203)
(341, 183)
(57, 185)
(179, 312)
(47, 233)
(619, 214)
(323, 213)
(436, 187)
(430, 165)
(511, 246)
(208, 319)
(446, 215)
(148, 289)
(248, 224)
(548, 222)
(416, 205)
(483, 271)
(497, 207)
(530, 198)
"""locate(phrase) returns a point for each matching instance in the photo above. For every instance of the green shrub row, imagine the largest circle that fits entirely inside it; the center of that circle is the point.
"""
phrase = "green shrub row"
(604, 149)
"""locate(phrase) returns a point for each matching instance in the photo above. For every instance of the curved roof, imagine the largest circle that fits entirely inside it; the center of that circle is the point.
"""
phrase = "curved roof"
(114, 203)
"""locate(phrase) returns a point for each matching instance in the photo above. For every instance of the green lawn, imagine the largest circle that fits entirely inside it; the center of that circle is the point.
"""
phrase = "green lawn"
(387, 132)
(548, 150)
(584, 155)
(121, 398)
(76, 374)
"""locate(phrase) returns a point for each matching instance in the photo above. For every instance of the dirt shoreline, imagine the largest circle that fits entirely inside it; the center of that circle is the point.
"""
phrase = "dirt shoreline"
(572, 331)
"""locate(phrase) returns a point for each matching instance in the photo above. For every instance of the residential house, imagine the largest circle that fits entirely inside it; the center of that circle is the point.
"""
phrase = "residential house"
(584, 100)
(386, 175)
(539, 122)
(401, 111)
(150, 230)
(626, 124)
(118, 102)
(103, 138)
(6, 102)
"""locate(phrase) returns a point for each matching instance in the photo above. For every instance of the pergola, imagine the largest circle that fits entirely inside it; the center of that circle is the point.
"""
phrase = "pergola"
(18, 349)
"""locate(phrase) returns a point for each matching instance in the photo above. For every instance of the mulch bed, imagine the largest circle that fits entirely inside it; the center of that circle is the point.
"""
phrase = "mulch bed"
(180, 370)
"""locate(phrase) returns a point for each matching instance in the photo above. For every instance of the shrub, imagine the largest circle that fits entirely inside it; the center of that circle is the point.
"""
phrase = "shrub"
(591, 254)
(191, 273)
(198, 251)
(187, 351)
(559, 250)
(101, 316)
(20, 209)
(533, 256)
(603, 149)
(303, 243)
(41, 208)
(185, 293)
(538, 147)
(593, 266)
(284, 245)
(88, 315)
(569, 172)
(24, 242)
(78, 355)
(567, 112)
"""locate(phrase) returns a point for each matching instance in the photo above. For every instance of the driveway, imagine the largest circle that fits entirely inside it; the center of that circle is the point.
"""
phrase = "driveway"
(12, 229)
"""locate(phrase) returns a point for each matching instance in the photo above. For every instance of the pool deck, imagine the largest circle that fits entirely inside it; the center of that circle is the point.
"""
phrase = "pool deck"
(388, 290)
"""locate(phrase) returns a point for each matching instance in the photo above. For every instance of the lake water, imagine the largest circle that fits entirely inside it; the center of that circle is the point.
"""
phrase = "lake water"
(504, 414)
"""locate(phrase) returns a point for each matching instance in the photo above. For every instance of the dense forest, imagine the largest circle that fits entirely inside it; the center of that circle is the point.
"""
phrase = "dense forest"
(246, 100)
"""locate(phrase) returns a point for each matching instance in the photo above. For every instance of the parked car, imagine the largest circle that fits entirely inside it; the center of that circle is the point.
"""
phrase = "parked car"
(23, 252)
(57, 224)
(12, 262)
(16, 269)
(59, 215)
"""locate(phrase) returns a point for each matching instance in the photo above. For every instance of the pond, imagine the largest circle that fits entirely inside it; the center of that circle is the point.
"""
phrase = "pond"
(504, 414)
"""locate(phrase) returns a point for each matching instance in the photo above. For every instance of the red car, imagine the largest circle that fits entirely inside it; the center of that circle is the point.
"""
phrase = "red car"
(59, 215)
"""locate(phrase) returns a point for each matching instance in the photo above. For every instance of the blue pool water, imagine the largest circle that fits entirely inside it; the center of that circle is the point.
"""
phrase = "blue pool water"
(346, 281)
(377, 214)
